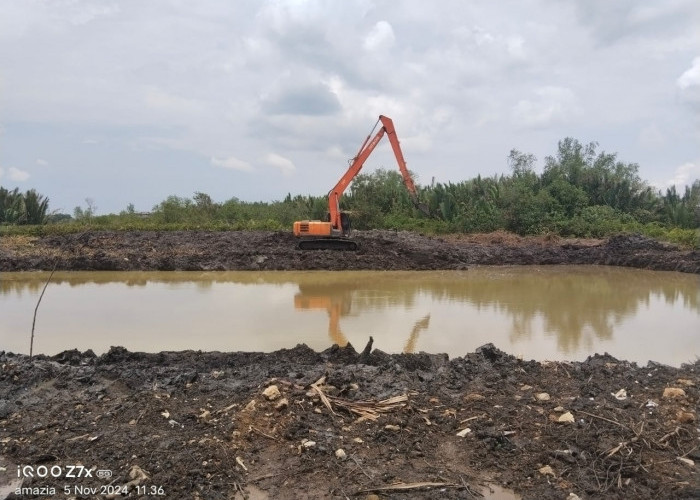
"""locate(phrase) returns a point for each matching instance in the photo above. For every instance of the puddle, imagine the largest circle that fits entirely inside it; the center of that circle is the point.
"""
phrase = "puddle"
(495, 492)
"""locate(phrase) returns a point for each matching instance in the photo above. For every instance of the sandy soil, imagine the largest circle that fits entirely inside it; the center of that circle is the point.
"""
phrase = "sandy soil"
(342, 424)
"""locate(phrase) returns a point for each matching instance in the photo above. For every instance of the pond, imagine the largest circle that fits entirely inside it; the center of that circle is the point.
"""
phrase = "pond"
(542, 313)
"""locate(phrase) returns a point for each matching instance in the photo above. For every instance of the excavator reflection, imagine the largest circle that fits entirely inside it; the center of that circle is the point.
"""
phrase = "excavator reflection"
(338, 303)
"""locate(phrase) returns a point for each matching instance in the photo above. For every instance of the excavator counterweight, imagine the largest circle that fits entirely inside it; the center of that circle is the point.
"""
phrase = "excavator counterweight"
(333, 233)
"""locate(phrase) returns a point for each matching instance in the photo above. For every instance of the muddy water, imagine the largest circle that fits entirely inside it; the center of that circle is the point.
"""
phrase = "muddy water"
(562, 312)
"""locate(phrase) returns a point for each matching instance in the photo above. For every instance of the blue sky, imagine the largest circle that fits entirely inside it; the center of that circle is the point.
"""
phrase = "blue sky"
(130, 101)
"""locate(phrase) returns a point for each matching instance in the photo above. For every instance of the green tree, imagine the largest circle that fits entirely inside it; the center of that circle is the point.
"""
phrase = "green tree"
(23, 208)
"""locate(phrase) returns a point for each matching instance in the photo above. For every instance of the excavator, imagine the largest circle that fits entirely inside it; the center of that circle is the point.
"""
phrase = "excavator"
(334, 232)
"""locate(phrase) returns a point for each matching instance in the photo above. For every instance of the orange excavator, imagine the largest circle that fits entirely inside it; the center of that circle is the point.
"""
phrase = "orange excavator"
(333, 233)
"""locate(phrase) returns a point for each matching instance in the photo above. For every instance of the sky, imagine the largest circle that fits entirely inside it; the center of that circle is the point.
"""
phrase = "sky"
(124, 102)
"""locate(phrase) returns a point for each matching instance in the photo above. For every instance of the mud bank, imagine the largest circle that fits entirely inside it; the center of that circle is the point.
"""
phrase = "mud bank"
(338, 424)
(380, 250)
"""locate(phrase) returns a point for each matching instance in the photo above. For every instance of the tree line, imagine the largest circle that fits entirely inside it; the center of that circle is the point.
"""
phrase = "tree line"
(581, 192)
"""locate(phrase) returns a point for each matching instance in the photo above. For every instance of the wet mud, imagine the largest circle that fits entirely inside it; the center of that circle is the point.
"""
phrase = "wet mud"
(342, 424)
(380, 250)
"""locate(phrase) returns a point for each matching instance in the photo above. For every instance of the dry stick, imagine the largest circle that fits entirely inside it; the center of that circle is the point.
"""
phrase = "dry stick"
(606, 419)
(31, 342)
(411, 486)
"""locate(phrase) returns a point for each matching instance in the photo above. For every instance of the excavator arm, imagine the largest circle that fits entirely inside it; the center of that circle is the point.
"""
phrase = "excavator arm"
(358, 162)
(338, 224)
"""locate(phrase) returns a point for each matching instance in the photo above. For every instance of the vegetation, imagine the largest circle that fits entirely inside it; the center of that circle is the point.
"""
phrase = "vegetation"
(580, 193)
(22, 208)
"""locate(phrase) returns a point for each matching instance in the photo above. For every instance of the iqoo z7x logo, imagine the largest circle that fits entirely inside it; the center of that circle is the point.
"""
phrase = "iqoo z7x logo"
(56, 471)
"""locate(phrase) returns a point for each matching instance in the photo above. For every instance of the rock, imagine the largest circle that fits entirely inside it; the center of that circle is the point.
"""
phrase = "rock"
(686, 461)
(307, 443)
(547, 471)
(357, 440)
(205, 416)
(137, 475)
(673, 392)
(566, 418)
(282, 404)
(686, 382)
(393, 428)
(250, 406)
(573, 496)
(272, 393)
(559, 409)
(525, 387)
(542, 396)
(620, 395)
(464, 432)
(685, 417)
(340, 454)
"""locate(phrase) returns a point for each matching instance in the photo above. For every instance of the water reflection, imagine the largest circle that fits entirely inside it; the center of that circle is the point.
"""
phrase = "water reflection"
(337, 302)
(564, 312)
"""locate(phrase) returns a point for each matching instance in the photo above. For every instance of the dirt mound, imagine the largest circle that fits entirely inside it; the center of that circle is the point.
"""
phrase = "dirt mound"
(381, 250)
(338, 424)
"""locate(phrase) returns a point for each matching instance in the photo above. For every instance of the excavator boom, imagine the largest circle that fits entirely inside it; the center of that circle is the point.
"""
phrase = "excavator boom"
(332, 234)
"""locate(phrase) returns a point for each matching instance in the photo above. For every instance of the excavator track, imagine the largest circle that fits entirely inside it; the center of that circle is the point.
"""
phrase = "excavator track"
(341, 244)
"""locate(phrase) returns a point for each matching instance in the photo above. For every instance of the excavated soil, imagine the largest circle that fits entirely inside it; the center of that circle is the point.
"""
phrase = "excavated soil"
(342, 424)
(381, 250)
(252, 425)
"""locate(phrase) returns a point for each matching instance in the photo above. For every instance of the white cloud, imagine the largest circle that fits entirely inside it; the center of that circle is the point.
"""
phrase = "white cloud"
(285, 165)
(232, 163)
(551, 105)
(41, 162)
(482, 37)
(516, 47)
(691, 77)
(684, 175)
(380, 37)
(15, 174)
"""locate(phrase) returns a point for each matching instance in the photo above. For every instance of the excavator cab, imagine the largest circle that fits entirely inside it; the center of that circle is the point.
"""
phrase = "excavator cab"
(320, 235)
